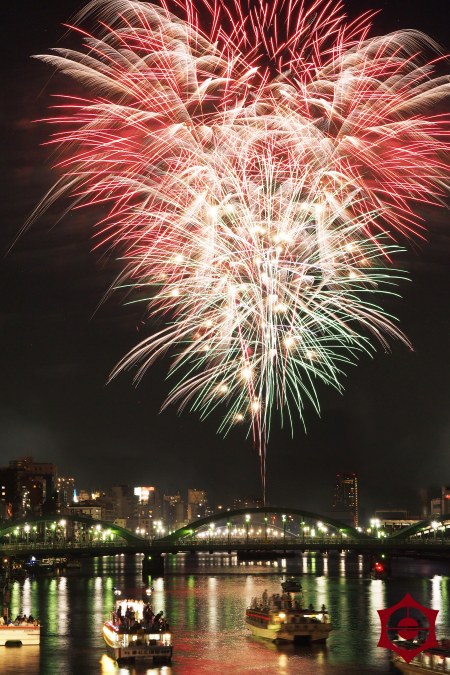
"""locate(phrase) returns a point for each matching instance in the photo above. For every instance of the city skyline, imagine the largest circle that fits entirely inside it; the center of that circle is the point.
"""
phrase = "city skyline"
(58, 351)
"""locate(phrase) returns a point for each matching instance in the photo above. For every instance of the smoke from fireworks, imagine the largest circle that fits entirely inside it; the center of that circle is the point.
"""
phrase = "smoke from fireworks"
(258, 165)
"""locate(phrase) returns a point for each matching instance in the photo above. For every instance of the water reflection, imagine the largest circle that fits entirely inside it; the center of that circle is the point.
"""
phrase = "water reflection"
(206, 606)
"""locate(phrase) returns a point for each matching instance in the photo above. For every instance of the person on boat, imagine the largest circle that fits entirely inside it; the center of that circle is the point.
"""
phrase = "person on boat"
(147, 615)
(310, 607)
(323, 609)
(265, 598)
(157, 621)
(2, 621)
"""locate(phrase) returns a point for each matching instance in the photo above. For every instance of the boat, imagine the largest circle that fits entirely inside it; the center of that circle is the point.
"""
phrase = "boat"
(291, 585)
(22, 631)
(13, 635)
(283, 619)
(433, 660)
(131, 635)
(378, 571)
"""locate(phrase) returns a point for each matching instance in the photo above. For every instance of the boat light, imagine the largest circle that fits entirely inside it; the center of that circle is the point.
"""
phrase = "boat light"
(282, 615)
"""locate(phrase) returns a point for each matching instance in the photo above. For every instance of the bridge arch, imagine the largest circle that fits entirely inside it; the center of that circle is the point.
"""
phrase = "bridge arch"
(191, 528)
(10, 526)
(436, 525)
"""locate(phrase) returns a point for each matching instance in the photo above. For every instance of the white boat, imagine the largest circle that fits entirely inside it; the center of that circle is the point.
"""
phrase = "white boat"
(23, 634)
(283, 619)
(136, 639)
(434, 660)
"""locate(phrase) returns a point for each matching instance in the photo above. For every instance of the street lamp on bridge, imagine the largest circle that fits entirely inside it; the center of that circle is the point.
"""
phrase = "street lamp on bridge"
(283, 518)
(247, 523)
(435, 526)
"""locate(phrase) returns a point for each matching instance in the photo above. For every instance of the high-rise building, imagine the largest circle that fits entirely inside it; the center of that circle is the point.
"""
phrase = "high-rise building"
(173, 511)
(26, 487)
(124, 500)
(345, 500)
(196, 504)
(148, 503)
(65, 491)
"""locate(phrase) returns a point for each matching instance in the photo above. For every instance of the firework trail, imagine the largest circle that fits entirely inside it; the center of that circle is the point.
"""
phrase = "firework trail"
(258, 164)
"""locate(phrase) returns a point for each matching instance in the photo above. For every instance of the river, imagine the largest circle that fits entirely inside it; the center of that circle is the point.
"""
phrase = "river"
(205, 603)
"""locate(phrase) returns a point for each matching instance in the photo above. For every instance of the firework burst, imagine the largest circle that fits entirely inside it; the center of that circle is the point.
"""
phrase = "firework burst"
(258, 165)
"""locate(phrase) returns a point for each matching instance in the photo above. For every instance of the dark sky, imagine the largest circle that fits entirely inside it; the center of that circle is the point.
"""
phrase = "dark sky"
(391, 425)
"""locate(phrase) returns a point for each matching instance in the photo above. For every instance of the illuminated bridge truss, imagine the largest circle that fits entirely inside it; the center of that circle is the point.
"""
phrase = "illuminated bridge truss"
(65, 530)
(269, 524)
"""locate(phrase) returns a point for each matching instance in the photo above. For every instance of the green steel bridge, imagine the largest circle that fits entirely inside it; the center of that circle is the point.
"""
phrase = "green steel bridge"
(252, 531)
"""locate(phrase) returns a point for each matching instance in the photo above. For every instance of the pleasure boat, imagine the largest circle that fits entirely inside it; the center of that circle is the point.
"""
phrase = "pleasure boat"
(12, 635)
(434, 660)
(283, 619)
(132, 634)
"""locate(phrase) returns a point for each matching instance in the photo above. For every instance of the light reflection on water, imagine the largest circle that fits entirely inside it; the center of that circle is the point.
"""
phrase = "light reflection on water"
(204, 601)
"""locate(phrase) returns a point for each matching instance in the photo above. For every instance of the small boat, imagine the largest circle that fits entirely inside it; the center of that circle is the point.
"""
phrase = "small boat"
(129, 634)
(378, 571)
(283, 619)
(12, 635)
(434, 660)
(291, 585)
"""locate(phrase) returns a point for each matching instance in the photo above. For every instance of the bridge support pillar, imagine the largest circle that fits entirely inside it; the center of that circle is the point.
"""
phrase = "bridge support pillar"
(153, 564)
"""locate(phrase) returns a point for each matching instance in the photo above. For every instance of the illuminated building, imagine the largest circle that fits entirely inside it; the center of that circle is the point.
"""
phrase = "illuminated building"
(27, 487)
(440, 506)
(148, 507)
(174, 511)
(345, 501)
(196, 504)
(65, 491)
(94, 509)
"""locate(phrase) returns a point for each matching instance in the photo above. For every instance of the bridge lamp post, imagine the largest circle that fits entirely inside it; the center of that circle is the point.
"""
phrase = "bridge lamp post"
(34, 533)
(305, 531)
(63, 525)
(283, 518)
(435, 526)
(375, 523)
(53, 528)
(27, 529)
(247, 523)
(229, 531)
(265, 528)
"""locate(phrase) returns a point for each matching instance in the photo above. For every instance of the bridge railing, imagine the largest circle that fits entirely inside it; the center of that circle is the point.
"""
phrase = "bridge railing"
(275, 541)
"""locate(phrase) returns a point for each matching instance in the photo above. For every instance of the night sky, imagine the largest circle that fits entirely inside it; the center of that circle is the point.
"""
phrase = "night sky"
(391, 425)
